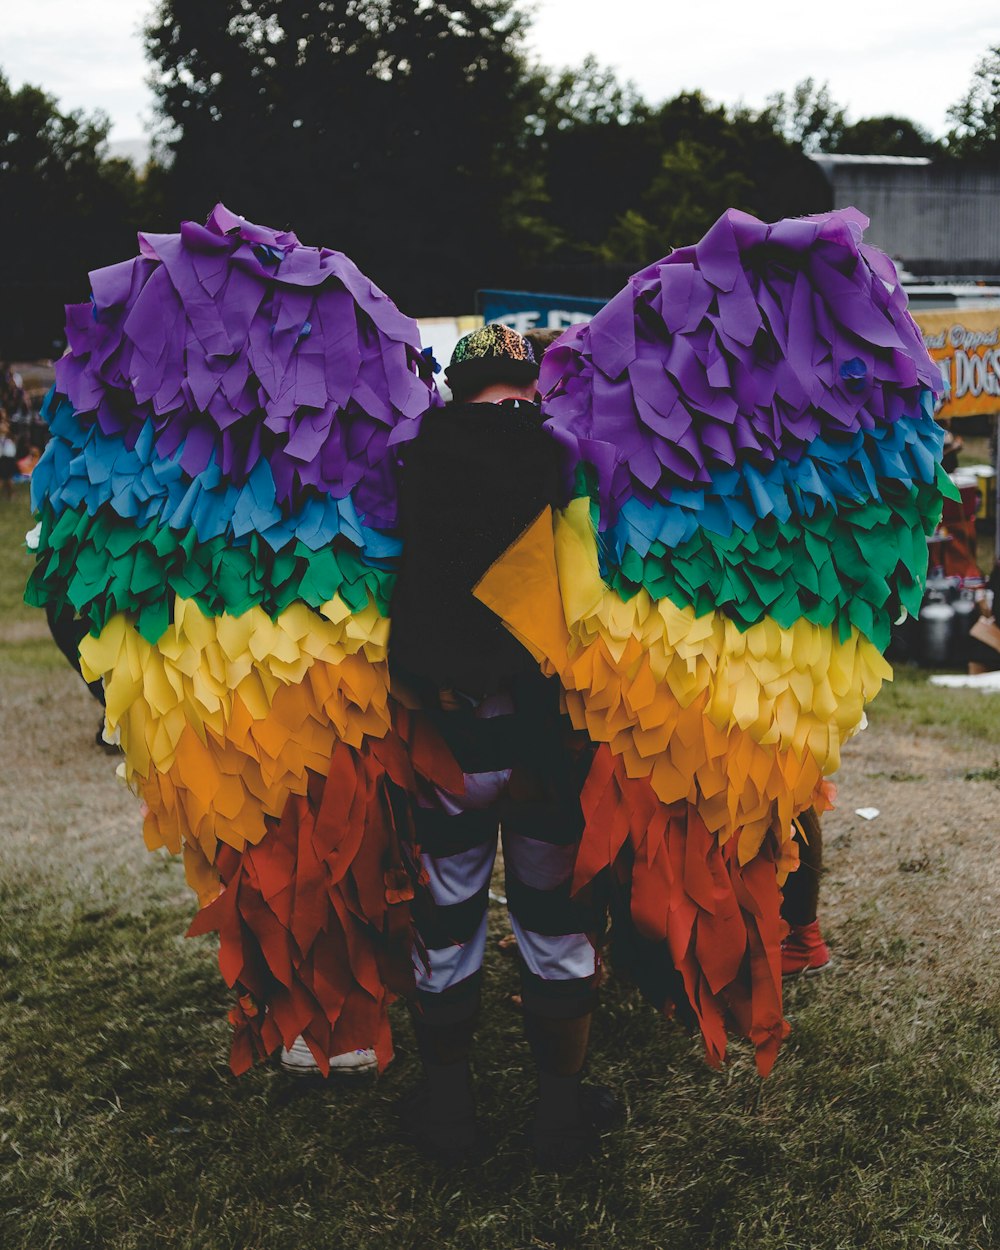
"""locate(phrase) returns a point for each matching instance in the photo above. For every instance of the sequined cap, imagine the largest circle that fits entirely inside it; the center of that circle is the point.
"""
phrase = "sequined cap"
(492, 341)
(491, 354)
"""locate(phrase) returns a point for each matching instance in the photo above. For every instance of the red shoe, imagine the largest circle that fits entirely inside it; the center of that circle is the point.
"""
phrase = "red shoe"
(804, 950)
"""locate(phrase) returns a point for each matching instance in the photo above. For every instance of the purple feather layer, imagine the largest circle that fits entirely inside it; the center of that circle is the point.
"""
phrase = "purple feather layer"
(744, 347)
(238, 339)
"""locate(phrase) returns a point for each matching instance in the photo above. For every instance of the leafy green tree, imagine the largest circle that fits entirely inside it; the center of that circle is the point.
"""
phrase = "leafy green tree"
(976, 131)
(589, 95)
(808, 116)
(694, 185)
(598, 151)
(65, 208)
(885, 136)
(395, 130)
(711, 159)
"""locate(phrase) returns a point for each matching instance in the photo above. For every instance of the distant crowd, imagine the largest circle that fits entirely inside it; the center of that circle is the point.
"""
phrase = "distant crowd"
(23, 433)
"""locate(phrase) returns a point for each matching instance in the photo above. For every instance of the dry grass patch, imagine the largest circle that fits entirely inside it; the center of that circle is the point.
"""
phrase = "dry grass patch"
(121, 1127)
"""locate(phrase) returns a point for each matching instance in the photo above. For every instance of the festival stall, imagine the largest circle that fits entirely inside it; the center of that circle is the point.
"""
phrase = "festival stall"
(966, 345)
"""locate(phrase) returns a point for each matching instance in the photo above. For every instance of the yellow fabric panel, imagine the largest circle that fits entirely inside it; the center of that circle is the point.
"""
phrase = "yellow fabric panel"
(224, 718)
(220, 789)
(201, 664)
(744, 725)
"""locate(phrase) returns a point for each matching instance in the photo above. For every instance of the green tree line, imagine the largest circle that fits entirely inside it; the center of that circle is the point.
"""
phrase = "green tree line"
(420, 138)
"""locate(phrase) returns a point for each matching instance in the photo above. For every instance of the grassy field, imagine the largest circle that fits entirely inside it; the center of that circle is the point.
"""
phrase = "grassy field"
(120, 1125)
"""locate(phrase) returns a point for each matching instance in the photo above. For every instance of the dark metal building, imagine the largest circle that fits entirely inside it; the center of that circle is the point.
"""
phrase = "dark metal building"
(938, 219)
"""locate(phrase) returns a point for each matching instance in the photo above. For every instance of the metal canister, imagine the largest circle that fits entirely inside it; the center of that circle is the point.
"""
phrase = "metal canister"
(936, 625)
(966, 613)
(941, 587)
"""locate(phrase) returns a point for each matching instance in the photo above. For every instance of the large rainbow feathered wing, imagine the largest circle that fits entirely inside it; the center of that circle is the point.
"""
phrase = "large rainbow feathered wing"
(217, 503)
(749, 423)
(748, 426)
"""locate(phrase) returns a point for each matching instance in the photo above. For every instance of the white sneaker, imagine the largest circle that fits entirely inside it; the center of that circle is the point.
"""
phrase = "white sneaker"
(298, 1060)
(359, 1062)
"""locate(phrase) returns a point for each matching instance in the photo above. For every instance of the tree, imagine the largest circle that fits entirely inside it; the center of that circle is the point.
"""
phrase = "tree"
(65, 208)
(711, 159)
(589, 95)
(598, 151)
(808, 117)
(976, 133)
(395, 130)
(885, 136)
(694, 186)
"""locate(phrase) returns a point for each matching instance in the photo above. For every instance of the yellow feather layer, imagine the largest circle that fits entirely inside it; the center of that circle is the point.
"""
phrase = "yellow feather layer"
(744, 725)
(221, 719)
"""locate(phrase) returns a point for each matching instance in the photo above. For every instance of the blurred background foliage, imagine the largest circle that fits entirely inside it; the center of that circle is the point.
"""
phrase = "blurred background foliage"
(420, 138)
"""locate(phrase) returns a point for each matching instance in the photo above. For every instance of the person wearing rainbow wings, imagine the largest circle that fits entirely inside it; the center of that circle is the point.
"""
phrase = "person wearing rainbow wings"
(748, 466)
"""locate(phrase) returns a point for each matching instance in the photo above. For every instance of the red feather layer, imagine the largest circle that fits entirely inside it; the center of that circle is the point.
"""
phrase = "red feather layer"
(314, 922)
(718, 920)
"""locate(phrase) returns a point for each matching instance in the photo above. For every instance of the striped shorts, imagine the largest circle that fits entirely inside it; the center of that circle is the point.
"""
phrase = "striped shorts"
(530, 794)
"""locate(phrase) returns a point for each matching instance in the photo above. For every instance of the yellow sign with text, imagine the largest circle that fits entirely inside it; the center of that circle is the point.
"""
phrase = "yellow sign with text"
(966, 344)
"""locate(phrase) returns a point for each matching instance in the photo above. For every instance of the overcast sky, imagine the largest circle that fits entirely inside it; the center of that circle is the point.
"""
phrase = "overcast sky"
(910, 57)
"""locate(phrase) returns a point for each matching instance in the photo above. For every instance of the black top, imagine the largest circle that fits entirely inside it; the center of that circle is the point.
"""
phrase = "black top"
(473, 480)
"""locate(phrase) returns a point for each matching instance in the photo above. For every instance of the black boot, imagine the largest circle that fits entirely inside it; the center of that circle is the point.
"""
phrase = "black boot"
(440, 1115)
(562, 1134)
(570, 1116)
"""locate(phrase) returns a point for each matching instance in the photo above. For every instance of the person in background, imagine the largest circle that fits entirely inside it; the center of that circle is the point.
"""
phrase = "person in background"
(953, 444)
(11, 390)
(28, 456)
(8, 456)
(984, 637)
(804, 950)
(541, 340)
(68, 631)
